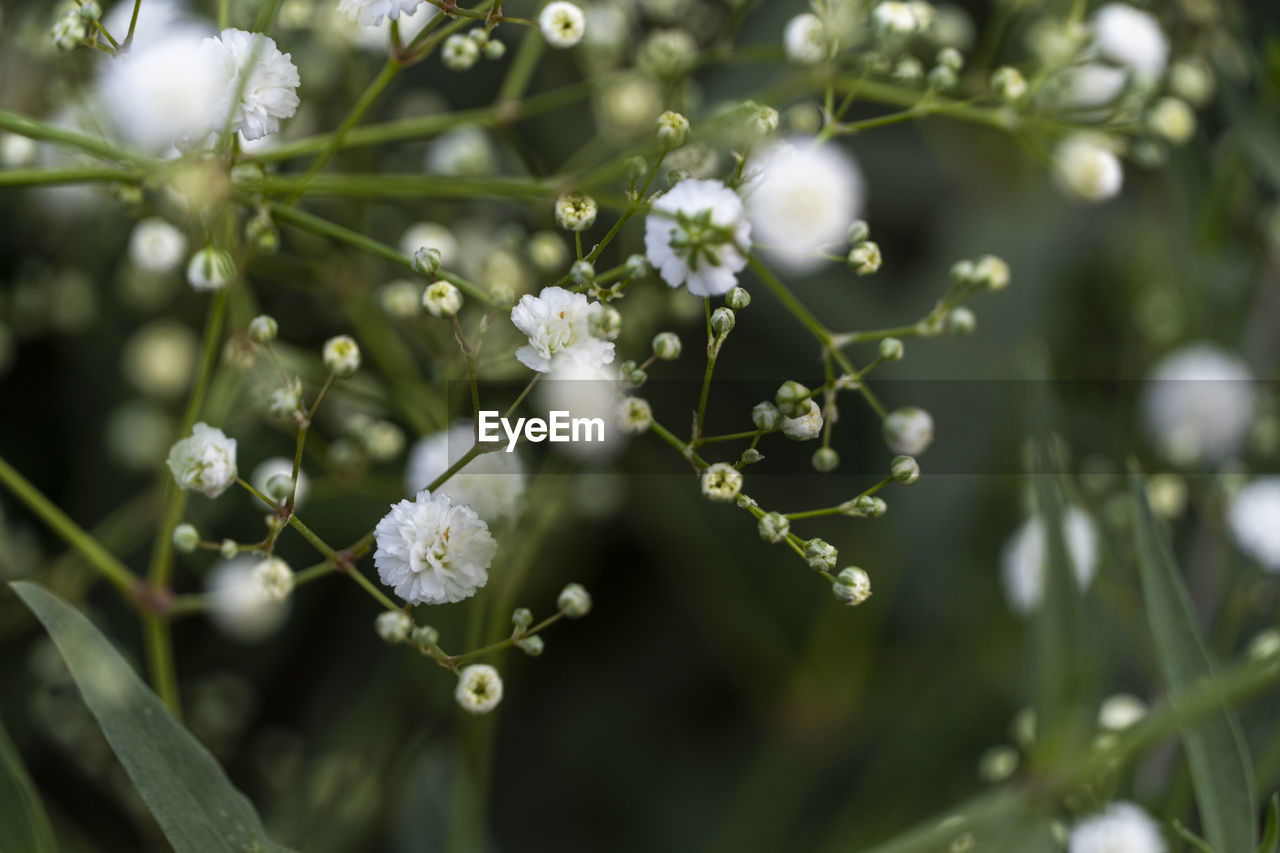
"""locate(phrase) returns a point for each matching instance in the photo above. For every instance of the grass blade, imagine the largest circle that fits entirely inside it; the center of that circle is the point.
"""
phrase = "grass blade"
(23, 822)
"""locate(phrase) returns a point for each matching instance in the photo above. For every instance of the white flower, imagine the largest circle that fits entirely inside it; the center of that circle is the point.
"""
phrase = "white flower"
(586, 391)
(369, 13)
(238, 603)
(697, 235)
(429, 235)
(263, 78)
(721, 482)
(1131, 37)
(1198, 404)
(1120, 711)
(574, 601)
(1023, 563)
(897, 18)
(158, 360)
(492, 484)
(276, 473)
(341, 356)
(558, 324)
(479, 688)
(1120, 828)
(562, 24)
(462, 151)
(575, 211)
(156, 246)
(275, 576)
(459, 52)
(161, 19)
(1085, 167)
(804, 41)
(1090, 85)
(205, 461)
(801, 200)
(432, 551)
(173, 91)
(1173, 119)
(1254, 517)
(806, 426)
(442, 299)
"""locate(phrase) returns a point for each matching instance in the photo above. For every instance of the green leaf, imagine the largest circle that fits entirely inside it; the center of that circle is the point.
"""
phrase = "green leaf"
(24, 826)
(1191, 838)
(1271, 833)
(197, 806)
(1220, 769)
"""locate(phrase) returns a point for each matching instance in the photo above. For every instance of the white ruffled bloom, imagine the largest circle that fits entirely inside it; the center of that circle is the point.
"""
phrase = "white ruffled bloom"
(156, 246)
(558, 324)
(204, 461)
(1130, 37)
(492, 484)
(801, 199)
(239, 604)
(804, 40)
(562, 24)
(479, 688)
(369, 13)
(1198, 404)
(263, 78)
(432, 551)
(1025, 558)
(697, 235)
(1254, 517)
(1085, 167)
(1120, 828)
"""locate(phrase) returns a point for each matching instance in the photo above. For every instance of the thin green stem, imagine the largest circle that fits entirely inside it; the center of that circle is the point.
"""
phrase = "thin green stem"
(160, 665)
(523, 394)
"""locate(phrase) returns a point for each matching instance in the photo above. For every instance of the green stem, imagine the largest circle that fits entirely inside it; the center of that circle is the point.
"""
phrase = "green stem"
(160, 665)
(32, 129)
(47, 177)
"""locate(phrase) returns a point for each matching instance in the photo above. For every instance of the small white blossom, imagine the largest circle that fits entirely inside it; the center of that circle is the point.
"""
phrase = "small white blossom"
(479, 688)
(341, 356)
(801, 199)
(1198, 404)
(1254, 517)
(369, 13)
(204, 461)
(696, 235)
(1025, 557)
(1120, 711)
(908, 431)
(1128, 36)
(459, 52)
(721, 482)
(1120, 828)
(807, 425)
(275, 576)
(238, 603)
(492, 484)
(264, 79)
(1086, 168)
(897, 18)
(634, 415)
(210, 269)
(442, 299)
(432, 551)
(393, 626)
(574, 601)
(804, 39)
(186, 538)
(558, 325)
(156, 246)
(562, 24)
(575, 211)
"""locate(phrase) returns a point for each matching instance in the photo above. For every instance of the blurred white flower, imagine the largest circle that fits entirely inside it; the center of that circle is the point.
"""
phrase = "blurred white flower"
(462, 151)
(804, 41)
(479, 688)
(586, 391)
(239, 604)
(275, 577)
(697, 235)
(1086, 168)
(156, 246)
(562, 24)
(1198, 403)
(429, 235)
(1130, 37)
(492, 484)
(432, 551)
(204, 461)
(263, 82)
(801, 199)
(159, 358)
(558, 323)
(908, 430)
(1120, 828)
(1023, 563)
(1091, 85)
(157, 21)
(1120, 711)
(1254, 517)
(369, 13)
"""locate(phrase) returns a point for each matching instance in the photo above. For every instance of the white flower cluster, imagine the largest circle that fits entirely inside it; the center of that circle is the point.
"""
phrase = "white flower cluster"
(558, 325)
(431, 551)
(697, 235)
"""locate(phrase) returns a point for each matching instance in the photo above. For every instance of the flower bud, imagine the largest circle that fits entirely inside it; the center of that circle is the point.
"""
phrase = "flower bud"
(942, 78)
(791, 398)
(864, 258)
(852, 586)
(605, 323)
(636, 167)
(275, 578)
(186, 538)
(905, 469)
(722, 321)
(962, 272)
(210, 269)
(494, 49)
(459, 52)
(425, 636)
(998, 763)
(522, 617)
(908, 431)
(961, 321)
(951, 58)
(1008, 83)
(574, 601)
(891, 349)
(531, 646)
(673, 129)
(90, 11)
(908, 70)
(575, 211)
(278, 486)
(442, 299)
(766, 416)
(479, 687)
(637, 266)
(991, 272)
(721, 482)
(263, 328)
(737, 299)
(774, 527)
(426, 260)
(806, 426)
(1173, 120)
(825, 460)
(820, 555)
(634, 415)
(637, 377)
(582, 272)
(393, 626)
(667, 346)
(750, 456)
(341, 356)
(859, 231)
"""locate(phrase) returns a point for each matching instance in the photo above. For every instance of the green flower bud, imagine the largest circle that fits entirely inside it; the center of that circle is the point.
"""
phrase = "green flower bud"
(905, 469)
(864, 258)
(574, 601)
(891, 349)
(766, 416)
(186, 538)
(820, 555)
(737, 299)
(667, 346)
(774, 527)
(825, 460)
(263, 328)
